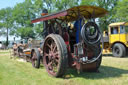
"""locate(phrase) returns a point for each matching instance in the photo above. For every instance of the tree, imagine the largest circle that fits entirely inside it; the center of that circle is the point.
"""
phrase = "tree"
(88, 2)
(106, 4)
(2, 31)
(24, 32)
(6, 22)
(22, 15)
(121, 10)
(65, 4)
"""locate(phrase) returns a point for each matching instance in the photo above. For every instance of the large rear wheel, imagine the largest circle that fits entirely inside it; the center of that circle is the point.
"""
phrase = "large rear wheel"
(55, 55)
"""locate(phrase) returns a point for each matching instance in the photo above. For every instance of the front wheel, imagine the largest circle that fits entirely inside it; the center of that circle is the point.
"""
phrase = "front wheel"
(118, 50)
(35, 58)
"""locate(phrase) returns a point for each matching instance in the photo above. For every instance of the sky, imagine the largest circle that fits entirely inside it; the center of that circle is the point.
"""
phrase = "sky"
(8, 3)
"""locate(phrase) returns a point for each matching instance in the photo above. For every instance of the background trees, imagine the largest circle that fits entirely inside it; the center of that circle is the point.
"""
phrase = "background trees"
(108, 5)
(17, 20)
(22, 14)
(6, 22)
(121, 11)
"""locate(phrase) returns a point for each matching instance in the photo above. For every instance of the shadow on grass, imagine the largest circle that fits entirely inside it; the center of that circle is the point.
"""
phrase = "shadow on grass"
(104, 72)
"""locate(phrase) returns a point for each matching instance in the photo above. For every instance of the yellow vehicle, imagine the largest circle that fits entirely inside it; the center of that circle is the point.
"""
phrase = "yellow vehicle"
(116, 39)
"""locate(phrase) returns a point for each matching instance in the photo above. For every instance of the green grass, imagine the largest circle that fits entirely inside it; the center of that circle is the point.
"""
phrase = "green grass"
(113, 71)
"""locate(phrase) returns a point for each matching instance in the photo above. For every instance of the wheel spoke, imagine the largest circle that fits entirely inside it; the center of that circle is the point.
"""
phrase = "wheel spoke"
(47, 55)
(50, 66)
(56, 53)
(51, 47)
(48, 46)
(57, 60)
(54, 48)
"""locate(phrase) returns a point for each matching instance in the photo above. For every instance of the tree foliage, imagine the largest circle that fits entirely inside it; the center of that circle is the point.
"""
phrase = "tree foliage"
(121, 11)
(65, 4)
(6, 22)
(108, 5)
(18, 19)
(22, 14)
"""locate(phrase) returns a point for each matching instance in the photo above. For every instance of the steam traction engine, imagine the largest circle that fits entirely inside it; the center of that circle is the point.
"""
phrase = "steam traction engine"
(75, 46)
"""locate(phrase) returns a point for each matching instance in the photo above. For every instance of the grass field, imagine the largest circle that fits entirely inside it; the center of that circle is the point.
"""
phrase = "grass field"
(113, 71)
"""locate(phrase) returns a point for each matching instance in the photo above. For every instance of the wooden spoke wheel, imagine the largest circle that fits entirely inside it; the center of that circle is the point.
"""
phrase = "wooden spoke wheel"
(35, 58)
(55, 55)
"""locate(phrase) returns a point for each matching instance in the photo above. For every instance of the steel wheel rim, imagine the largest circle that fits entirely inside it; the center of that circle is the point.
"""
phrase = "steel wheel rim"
(51, 56)
(117, 51)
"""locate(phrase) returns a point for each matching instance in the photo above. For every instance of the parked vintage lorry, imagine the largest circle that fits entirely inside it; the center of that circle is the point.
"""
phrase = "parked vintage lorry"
(116, 39)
